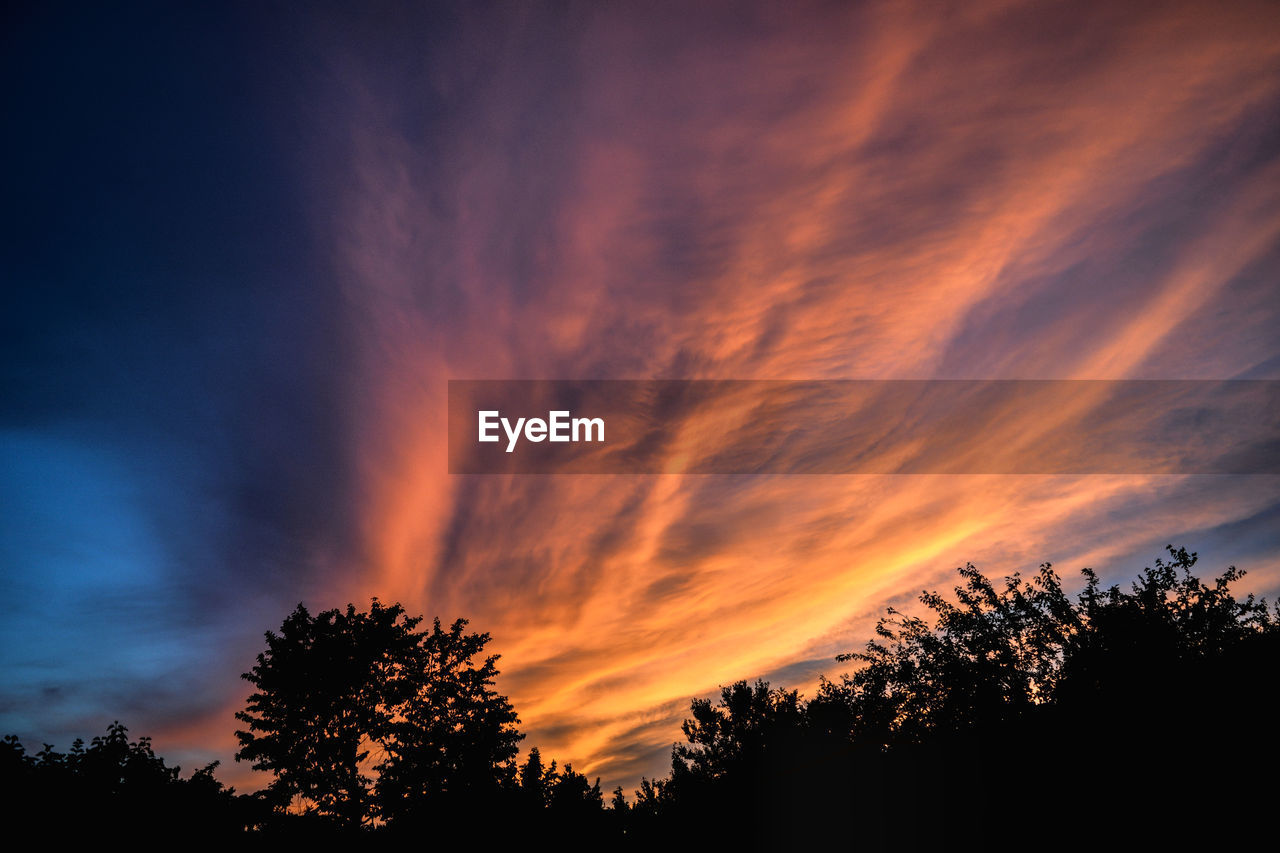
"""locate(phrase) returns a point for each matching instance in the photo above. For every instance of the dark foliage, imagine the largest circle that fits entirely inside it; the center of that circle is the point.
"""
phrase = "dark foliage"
(1124, 714)
(326, 687)
(560, 801)
(451, 741)
(1014, 716)
(361, 717)
(114, 785)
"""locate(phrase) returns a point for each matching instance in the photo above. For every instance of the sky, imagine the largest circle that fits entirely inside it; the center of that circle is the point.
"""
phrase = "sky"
(246, 246)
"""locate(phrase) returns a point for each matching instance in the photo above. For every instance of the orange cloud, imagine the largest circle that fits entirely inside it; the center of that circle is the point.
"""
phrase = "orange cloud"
(887, 191)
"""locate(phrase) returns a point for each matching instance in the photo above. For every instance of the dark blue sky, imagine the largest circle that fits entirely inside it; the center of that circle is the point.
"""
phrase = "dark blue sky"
(170, 355)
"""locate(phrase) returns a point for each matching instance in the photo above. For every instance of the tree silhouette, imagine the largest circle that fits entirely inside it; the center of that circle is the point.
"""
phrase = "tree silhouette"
(735, 736)
(733, 766)
(454, 740)
(997, 654)
(1011, 713)
(574, 799)
(362, 716)
(619, 801)
(536, 780)
(113, 785)
(987, 657)
(1118, 693)
(327, 687)
(1012, 699)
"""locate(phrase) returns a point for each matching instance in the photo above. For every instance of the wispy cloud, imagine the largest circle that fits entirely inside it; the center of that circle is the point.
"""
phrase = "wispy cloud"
(879, 190)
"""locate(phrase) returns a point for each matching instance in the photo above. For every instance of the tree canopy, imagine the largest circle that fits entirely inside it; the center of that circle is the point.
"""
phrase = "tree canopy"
(998, 652)
(999, 689)
(361, 715)
(992, 712)
(452, 741)
(109, 783)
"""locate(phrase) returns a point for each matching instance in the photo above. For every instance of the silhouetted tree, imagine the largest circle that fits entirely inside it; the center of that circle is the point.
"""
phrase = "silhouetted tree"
(454, 740)
(654, 818)
(986, 716)
(536, 780)
(732, 772)
(116, 785)
(1120, 694)
(574, 797)
(327, 689)
(1126, 697)
(363, 717)
(996, 654)
(619, 801)
(736, 735)
(564, 803)
(652, 797)
(987, 657)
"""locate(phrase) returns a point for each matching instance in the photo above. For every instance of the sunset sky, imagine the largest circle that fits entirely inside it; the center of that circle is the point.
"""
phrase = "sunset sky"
(246, 246)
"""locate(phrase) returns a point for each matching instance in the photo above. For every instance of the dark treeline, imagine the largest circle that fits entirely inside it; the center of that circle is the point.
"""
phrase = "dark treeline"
(1016, 715)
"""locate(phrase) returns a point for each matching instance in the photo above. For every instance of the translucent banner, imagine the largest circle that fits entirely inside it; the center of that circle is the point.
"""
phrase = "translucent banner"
(864, 427)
